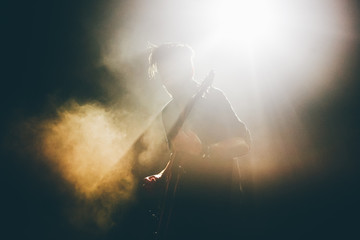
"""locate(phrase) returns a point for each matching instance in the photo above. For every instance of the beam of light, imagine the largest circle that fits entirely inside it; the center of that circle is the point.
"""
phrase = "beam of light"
(295, 45)
(291, 51)
(290, 43)
(254, 22)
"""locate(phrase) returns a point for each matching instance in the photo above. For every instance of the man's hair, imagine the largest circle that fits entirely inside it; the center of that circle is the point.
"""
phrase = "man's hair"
(168, 51)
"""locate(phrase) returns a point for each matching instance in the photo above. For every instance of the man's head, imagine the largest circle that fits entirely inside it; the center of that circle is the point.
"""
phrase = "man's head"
(173, 63)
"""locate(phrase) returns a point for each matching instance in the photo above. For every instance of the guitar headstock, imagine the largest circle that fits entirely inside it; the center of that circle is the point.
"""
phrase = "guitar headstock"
(207, 82)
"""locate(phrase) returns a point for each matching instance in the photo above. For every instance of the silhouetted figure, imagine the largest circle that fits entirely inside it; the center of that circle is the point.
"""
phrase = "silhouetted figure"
(198, 200)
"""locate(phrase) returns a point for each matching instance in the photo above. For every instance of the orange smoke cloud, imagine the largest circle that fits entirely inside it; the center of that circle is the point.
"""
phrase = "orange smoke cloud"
(84, 143)
(90, 147)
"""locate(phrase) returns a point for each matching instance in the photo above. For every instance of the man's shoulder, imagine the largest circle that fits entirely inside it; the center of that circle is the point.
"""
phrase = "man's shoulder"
(215, 94)
(215, 91)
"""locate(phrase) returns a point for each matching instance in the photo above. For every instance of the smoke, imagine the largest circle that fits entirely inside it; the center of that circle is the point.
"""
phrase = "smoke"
(83, 144)
(90, 147)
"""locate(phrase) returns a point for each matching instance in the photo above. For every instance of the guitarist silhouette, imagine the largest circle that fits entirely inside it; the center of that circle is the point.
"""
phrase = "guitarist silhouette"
(204, 136)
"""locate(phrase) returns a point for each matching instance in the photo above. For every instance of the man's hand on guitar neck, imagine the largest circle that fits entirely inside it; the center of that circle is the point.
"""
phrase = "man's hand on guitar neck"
(185, 142)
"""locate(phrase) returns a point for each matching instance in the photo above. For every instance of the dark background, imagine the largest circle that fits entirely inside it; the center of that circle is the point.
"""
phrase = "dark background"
(49, 56)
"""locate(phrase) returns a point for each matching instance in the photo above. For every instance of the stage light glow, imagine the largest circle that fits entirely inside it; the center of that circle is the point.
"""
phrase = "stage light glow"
(293, 46)
(279, 38)
(251, 22)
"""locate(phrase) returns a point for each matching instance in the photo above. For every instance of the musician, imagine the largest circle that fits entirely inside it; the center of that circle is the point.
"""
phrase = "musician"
(211, 137)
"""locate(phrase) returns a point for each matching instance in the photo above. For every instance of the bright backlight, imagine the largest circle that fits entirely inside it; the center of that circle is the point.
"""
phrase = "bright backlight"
(252, 22)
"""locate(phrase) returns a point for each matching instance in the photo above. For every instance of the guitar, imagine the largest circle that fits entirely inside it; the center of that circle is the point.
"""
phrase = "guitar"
(173, 171)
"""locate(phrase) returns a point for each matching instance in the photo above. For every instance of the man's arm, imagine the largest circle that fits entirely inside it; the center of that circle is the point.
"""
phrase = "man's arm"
(189, 142)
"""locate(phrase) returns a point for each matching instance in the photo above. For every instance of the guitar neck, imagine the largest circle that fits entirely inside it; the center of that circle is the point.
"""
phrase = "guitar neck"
(189, 106)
